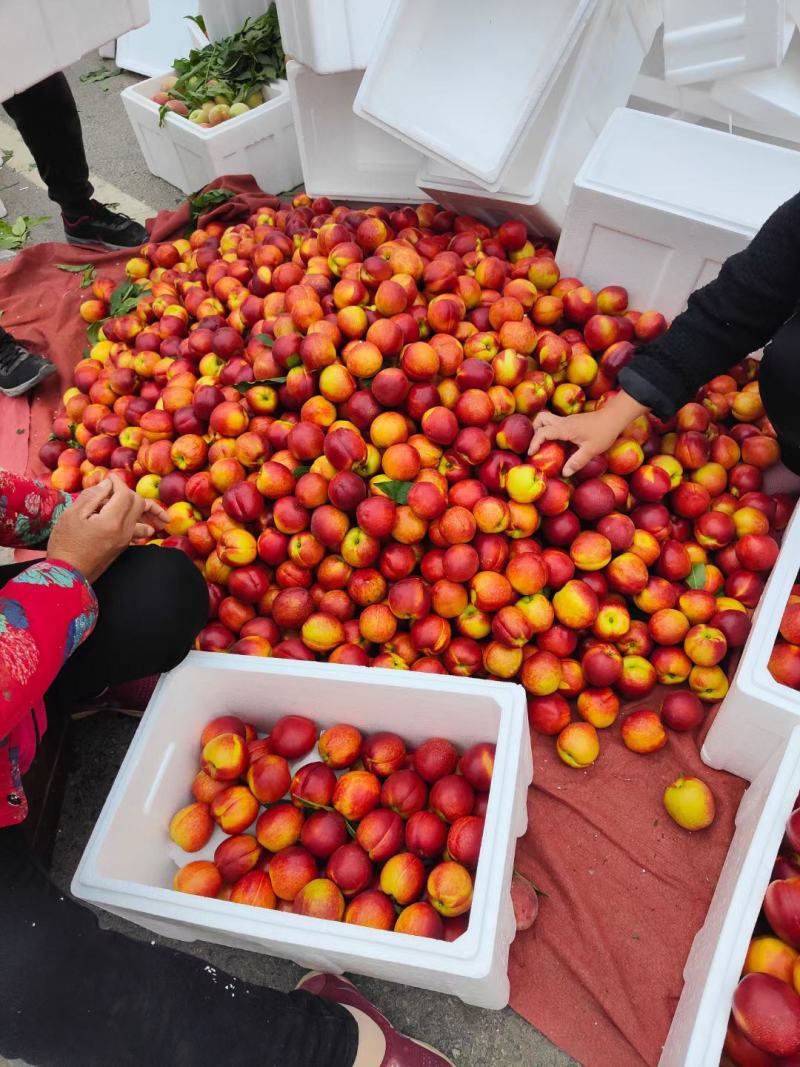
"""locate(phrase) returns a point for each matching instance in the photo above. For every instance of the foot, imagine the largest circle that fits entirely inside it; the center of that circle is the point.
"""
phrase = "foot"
(20, 370)
(98, 225)
(400, 1051)
(127, 698)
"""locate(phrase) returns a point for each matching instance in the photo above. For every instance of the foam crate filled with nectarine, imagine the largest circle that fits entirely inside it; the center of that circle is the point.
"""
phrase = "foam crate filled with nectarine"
(364, 820)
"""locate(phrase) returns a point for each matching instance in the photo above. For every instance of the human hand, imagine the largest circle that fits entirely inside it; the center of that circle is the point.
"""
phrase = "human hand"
(154, 517)
(592, 432)
(93, 531)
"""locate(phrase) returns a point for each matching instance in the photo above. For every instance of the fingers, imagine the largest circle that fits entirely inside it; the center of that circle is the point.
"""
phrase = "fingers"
(142, 530)
(155, 513)
(578, 460)
(124, 507)
(92, 500)
(546, 427)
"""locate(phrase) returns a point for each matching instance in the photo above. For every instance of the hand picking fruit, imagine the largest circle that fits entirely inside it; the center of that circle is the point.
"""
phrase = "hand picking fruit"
(722, 325)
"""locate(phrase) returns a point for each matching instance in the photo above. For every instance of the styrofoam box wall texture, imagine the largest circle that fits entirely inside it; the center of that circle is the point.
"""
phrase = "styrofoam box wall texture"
(342, 155)
(128, 866)
(330, 36)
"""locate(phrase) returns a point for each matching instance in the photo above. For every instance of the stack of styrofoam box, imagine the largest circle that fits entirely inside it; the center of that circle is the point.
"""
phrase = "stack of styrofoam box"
(41, 37)
(659, 204)
(128, 865)
(330, 43)
(261, 142)
(559, 68)
(733, 69)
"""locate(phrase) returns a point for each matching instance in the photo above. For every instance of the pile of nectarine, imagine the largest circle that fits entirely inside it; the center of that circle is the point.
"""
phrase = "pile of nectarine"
(764, 1029)
(369, 833)
(335, 405)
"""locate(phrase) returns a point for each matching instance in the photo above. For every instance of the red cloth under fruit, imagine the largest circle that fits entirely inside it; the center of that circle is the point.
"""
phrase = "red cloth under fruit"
(601, 971)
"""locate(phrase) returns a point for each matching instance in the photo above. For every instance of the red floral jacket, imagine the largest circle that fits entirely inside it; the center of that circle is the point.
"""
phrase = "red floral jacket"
(45, 614)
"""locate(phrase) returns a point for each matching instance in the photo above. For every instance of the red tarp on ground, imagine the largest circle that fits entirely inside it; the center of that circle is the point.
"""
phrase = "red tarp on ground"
(601, 972)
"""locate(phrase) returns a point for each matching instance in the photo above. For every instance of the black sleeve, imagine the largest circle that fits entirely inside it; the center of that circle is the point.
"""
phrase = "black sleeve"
(755, 292)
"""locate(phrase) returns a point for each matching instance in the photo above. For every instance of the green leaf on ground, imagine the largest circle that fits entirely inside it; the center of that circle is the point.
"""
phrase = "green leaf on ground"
(697, 578)
(397, 491)
(86, 271)
(100, 74)
(15, 235)
(5, 155)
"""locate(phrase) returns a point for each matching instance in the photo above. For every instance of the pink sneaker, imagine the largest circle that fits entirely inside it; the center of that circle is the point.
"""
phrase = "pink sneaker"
(401, 1051)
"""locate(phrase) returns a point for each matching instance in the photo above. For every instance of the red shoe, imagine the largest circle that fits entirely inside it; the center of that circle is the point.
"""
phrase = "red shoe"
(401, 1051)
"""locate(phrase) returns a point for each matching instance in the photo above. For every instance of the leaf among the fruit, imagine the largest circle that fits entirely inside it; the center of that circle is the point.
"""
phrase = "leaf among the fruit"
(697, 577)
(397, 491)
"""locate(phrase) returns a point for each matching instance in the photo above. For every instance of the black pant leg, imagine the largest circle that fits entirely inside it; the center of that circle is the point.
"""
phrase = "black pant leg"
(73, 995)
(779, 384)
(152, 604)
(47, 118)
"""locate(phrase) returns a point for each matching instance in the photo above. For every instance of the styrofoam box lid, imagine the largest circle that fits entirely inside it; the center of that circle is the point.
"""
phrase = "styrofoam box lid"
(276, 94)
(128, 862)
(566, 113)
(461, 79)
(690, 170)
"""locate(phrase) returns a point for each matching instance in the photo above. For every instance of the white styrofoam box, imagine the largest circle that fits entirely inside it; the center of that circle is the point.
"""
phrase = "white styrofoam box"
(342, 155)
(709, 39)
(659, 204)
(329, 36)
(759, 713)
(537, 181)
(770, 99)
(224, 17)
(421, 82)
(166, 37)
(261, 142)
(127, 868)
(41, 37)
(715, 961)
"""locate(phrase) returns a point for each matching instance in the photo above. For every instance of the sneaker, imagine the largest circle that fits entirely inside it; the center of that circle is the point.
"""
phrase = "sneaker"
(20, 370)
(401, 1051)
(101, 226)
(127, 698)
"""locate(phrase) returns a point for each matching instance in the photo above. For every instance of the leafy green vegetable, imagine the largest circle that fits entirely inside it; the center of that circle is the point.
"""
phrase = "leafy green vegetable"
(233, 68)
(200, 203)
(86, 271)
(697, 578)
(15, 235)
(397, 491)
(100, 74)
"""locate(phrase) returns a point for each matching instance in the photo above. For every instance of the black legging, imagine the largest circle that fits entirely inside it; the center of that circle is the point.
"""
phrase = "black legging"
(72, 995)
(47, 118)
(779, 383)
